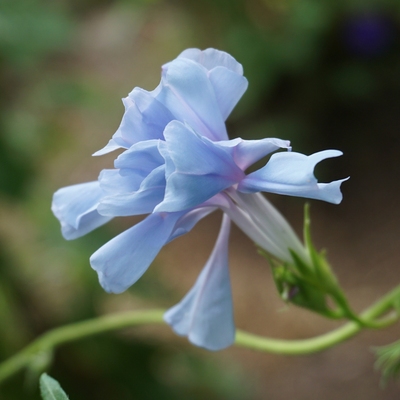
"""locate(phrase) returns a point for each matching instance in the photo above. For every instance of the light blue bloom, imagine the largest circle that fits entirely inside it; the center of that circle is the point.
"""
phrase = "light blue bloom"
(178, 165)
(76, 208)
(205, 314)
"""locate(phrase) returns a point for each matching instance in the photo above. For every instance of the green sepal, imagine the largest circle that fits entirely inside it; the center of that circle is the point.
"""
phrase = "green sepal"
(310, 284)
(319, 263)
(50, 389)
(325, 275)
(293, 288)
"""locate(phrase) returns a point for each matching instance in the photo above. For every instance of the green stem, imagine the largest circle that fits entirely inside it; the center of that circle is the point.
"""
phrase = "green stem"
(68, 333)
(79, 330)
(327, 340)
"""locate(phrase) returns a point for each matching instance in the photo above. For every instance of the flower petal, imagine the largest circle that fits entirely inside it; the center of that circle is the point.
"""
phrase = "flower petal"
(225, 74)
(201, 168)
(247, 152)
(189, 220)
(229, 87)
(112, 182)
(187, 92)
(112, 145)
(292, 174)
(212, 58)
(125, 258)
(205, 314)
(262, 223)
(142, 156)
(76, 208)
(140, 201)
(145, 119)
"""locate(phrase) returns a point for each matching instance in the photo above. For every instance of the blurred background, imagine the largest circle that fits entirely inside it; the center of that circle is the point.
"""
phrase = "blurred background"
(322, 73)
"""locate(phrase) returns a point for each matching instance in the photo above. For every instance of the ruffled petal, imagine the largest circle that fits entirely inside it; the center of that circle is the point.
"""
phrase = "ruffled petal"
(199, 87)
(212, 58)
(247, 152)
(188, 93)
(141, 201)
(229, 87)
(112, 145)
(138, 203)
(225, 75)
(125, 258)
(145, 119)
(142, 156)
(112, 182)
(201, 169)
(205, 314)
(76, 208)
(293, 174)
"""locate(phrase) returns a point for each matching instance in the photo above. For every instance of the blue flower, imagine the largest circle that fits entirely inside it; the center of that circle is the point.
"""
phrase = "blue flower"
(178, 165)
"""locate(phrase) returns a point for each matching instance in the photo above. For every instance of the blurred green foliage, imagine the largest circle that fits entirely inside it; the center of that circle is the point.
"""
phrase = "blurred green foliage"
(322, 73)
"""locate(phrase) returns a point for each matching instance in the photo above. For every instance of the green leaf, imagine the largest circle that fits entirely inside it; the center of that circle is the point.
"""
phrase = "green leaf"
(51, 389)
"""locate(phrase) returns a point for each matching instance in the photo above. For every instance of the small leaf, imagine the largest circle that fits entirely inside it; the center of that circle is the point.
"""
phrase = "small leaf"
(51, 389)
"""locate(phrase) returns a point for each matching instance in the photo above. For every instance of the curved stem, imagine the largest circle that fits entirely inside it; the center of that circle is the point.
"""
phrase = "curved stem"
(68, 333)
(79, 330)
(327, 340)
